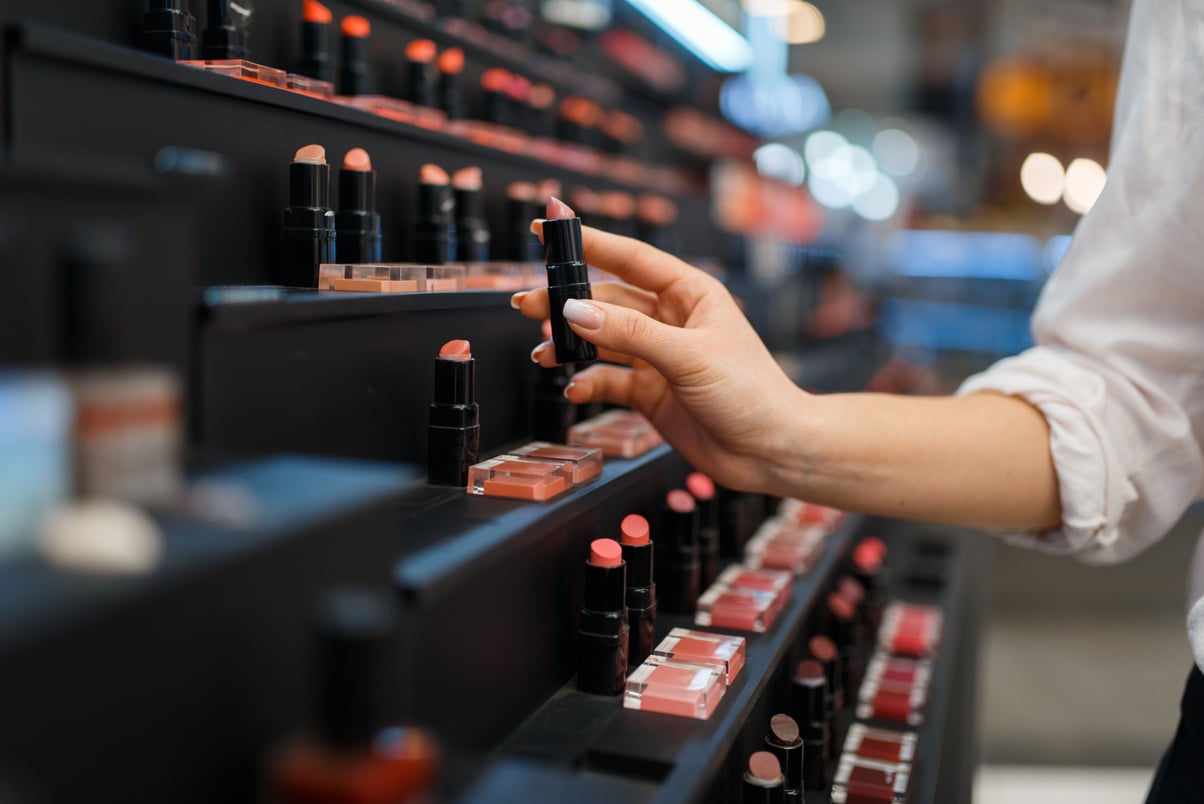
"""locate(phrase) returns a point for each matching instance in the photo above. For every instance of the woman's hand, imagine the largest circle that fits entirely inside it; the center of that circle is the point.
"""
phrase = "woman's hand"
(688, 359)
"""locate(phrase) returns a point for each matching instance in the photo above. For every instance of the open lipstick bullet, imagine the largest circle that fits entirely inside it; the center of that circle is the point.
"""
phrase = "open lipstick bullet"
(309, 230)
(454, 430)
(603, 637)
(641, 590)
(356, 221)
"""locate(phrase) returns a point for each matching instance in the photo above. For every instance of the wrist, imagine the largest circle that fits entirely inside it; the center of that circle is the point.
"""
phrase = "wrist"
(788, 454)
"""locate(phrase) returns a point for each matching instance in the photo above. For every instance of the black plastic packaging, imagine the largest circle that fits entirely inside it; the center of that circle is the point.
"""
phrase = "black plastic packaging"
(169, 29)
(358, 629)
(315, 60)
(553, 413)
(737, 521)
(521, 245)
(357, 221)
(472, 230)
(757, 793)
(603, 635)
(355, 78)
(451, 97)
(641, 601)
(225, 34)
(420, 79)
(790, 755)
(708, 539)
(568, 278)
(808, 704)
(678, 568)
(453, 429)
(434, 240)
(309, 230)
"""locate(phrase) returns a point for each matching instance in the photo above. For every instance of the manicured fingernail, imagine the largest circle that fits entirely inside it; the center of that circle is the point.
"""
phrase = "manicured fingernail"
(516, 301)
(583, 314)
(537, 226)
(538, 349)
(569, 388)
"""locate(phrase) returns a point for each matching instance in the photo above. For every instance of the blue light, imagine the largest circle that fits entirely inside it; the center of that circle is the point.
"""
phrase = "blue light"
(970, 255)
(697, 29)
(776, 106)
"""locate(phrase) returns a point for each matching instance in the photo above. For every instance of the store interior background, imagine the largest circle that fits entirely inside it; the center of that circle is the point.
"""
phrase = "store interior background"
(1081, 667)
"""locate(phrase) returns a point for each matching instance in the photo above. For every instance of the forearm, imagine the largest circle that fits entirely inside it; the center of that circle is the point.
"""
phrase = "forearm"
(979, 460)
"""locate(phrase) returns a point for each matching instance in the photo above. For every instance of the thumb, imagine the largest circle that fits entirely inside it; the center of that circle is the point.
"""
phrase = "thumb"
(627, 331)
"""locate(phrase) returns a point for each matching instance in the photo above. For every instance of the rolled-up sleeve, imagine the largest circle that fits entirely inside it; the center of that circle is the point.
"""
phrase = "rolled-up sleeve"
(1118, 369)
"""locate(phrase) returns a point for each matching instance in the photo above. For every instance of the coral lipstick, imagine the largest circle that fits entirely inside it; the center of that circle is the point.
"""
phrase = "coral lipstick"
(309, 223)
(763, 781)
(637, 547)
(315, 41)
(433, 242)
(603, 634)
(453, 430)
(677, 559)
(421, 71)
(568, 278)
(451, 98)
(472, 230)
(354, 77)
(356, 221)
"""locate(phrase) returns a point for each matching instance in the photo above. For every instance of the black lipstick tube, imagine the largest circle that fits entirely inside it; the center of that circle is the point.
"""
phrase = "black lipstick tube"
(708, 539)
(354, 76)
(224, 37)
(472, 230)
(453, 429)
(568, 278)
(737, 521)
(603, 634)
(451, 97)
(521, 245)
(790, 755)
(677, 565)
(641, 601)
(553, 413)
(315, 58)
(433, 240)
(356, 221)
(421, 82)
(807, 703)
(169, 29)
(309, 230)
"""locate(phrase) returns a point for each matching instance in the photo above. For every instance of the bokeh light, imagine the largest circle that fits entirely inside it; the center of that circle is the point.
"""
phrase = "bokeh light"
(1085, 180)
(1043, 178)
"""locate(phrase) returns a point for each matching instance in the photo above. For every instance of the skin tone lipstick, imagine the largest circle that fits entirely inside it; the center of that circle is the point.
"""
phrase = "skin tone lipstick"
(641, 590)
(763, 781)
(433, 241)
(355, 78)
(703, 489)
(520, 244)
(453, 430)
(472, 230)
(603, 635)
(540, 100)
(451, 98)
(315, 41)
(823, 650)
(357, 221)
(568, 278)
(421, 72)
(785, 741)
(309, 230)
(496, 103)
(677, 558)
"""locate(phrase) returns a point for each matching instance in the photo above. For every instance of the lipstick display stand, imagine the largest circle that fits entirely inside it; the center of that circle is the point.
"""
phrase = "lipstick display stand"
(305, 413)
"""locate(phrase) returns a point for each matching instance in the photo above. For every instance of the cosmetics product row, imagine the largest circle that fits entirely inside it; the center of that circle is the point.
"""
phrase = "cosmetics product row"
(510, 112)
(450, 240)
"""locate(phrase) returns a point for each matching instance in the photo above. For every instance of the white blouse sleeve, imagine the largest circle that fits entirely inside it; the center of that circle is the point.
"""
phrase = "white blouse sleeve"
(1118, 370)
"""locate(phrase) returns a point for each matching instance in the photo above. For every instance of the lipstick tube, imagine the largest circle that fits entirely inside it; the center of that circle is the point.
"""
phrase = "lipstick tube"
(677, 564)
(824, 651)
(169, 29)
(309, 231)
(869, 559)
(603, 633)
(421, 72)
(225, 34)
(434, 241)
(472, 230)
(355, 78)
(519, 244)
(453, 430)
(451, 97)
(356, 221)
(641, 590)
(808, 690)
(737, 522)
(703, 489)
(763, 781)
(568, 278)
(315, 60)
(843, 630)
(784, 740)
